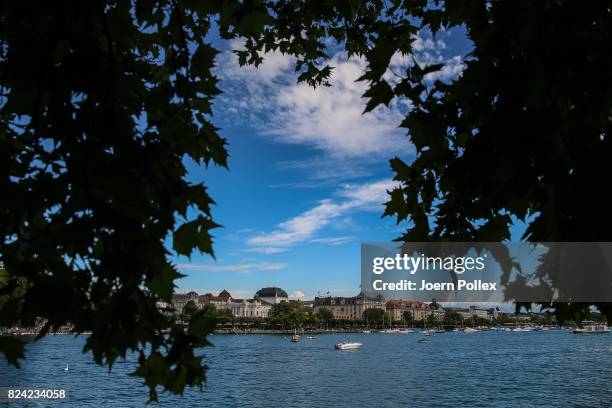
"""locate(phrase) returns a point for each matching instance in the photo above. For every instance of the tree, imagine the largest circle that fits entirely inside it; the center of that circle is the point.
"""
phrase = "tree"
(407, 317)
(375, 315)
(452, 318)
(101, 102)
(325, 315)
(516, 136)
(289, 314)
(431, 320)
(189, 309)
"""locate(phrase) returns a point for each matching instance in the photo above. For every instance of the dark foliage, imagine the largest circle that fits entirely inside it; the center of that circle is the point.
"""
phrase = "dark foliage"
(101, 102)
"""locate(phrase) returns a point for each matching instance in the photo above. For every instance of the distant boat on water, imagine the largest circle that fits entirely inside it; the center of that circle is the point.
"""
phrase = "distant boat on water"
(345, 345)
(589, 327)
(391, 331)
(521, 329)
(296, 337)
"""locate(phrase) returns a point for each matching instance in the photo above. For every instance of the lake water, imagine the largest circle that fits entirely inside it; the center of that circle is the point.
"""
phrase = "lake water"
(486, 369)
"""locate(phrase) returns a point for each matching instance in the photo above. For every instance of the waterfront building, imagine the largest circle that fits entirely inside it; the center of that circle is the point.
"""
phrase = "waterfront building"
(493, 313)
(179, 300)
(237, 307)
(248, 307)
(272, 295)
(472, 312)
(436, 310)
(397, 308)
(479, 313)
(348, 308)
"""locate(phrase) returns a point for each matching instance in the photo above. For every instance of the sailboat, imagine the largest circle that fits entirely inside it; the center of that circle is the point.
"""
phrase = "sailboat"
(296, 337)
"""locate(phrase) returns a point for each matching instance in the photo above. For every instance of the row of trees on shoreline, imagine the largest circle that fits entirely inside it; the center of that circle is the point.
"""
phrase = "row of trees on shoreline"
(293, 314)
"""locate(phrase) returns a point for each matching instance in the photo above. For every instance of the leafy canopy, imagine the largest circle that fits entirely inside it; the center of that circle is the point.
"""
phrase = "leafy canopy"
(101, 102)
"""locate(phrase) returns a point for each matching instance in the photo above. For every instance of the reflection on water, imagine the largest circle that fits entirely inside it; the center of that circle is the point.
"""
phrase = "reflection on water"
(485, 369)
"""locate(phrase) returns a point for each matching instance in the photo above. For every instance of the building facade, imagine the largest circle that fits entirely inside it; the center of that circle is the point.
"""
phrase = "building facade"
(396, 309)
(348, 308)
(256, 307)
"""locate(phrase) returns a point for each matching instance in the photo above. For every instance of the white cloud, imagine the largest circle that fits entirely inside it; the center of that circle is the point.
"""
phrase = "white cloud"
(333, 240)
(297, 294)
(329, 119)
(305, 226)
(242, 267)
(347, 144)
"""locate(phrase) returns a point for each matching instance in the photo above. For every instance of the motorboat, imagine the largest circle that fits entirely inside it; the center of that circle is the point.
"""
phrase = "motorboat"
(345, 345)
(589, 327)
(470, 330)
(390, 331)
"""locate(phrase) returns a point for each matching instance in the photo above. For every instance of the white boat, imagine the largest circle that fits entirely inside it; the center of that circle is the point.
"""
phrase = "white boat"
(345, 345)
(589, 327)
(470, 330)
(311, 337)
(296, 337)
(367, 331)
(521, 329)
(406, 331)
(390, 331)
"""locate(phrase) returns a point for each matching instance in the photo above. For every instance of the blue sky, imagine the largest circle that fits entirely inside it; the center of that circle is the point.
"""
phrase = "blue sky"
(307, 174)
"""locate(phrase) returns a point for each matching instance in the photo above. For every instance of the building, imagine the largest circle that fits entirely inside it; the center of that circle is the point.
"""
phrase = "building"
(471, 312)
(272, 295)
(396, 309)
(348, 308)
(437, 310)
(224, 301)
(248, 307)
(493, 313)
(179, 300)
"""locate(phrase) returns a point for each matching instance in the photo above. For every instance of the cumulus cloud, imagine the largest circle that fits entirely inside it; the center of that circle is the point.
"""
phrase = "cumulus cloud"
(304, 227)
(297, 294)
(329, 119)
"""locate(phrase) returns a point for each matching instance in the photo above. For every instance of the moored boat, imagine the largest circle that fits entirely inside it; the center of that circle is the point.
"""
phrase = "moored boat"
(296, 337)
(589, 327)
(521, 329)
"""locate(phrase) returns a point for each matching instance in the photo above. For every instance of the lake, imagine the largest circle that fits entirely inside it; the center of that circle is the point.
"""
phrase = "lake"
(486, 369)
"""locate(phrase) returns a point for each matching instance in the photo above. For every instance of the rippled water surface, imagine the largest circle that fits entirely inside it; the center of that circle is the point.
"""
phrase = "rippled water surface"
(487, 369)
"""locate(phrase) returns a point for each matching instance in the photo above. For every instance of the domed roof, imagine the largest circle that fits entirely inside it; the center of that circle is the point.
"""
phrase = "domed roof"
(271, 292)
